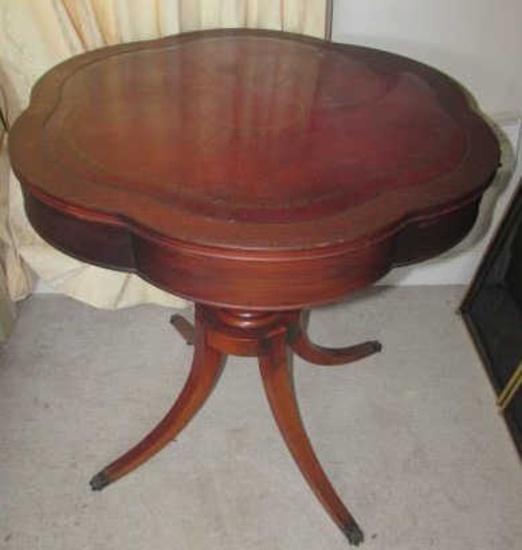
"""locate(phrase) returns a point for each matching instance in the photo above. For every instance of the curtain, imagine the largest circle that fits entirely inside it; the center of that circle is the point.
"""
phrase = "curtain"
(37, 34)
(16, 279)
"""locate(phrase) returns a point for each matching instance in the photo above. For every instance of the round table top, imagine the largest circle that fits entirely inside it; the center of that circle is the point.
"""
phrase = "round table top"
(251, 142)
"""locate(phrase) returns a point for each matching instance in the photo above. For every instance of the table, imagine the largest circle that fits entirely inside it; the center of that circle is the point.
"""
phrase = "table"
(258, 174)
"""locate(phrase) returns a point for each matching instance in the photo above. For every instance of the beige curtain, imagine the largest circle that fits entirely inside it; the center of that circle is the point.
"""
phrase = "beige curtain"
(37, 34)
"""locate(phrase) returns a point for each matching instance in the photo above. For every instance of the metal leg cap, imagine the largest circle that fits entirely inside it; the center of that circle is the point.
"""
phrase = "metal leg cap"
(99, 481)
(377, 346)
(353, 533)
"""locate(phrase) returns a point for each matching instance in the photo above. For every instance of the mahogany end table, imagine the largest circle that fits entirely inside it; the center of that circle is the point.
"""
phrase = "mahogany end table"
(258, 174)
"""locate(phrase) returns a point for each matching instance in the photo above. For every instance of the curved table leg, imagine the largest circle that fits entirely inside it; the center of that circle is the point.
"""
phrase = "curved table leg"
(207, 366)
(320, 355)
(275, 366)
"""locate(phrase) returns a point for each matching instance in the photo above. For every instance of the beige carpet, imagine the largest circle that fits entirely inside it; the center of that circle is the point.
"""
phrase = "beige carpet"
(410, 437)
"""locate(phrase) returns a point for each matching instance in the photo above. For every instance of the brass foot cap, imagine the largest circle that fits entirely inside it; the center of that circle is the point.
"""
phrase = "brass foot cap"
(353, 533)
(99, 481)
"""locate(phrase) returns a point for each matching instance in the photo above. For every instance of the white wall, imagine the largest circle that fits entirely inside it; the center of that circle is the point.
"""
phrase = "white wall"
(477, 42)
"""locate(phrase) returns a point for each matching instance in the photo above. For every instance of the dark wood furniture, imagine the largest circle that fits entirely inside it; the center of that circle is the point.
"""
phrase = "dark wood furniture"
(492, 310)
(258, 174)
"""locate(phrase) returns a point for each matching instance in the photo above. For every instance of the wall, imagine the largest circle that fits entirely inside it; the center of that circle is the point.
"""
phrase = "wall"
(479, 43)
(476, 41)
